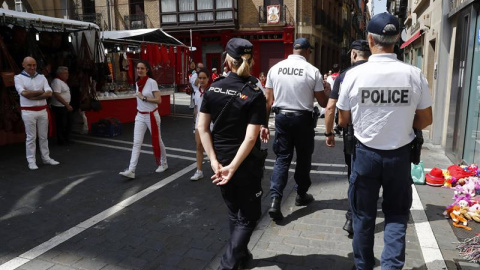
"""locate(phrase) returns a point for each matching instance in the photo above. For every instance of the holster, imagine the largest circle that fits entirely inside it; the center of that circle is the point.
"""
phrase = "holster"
(349, 140)
(315, 116)
(416, 147)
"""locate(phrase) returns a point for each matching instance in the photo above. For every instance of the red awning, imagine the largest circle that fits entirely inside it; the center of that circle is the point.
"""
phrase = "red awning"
(412, 39)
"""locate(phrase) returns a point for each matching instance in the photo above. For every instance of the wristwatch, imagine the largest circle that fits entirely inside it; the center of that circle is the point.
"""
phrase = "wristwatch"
(328, 134)
(144, 98)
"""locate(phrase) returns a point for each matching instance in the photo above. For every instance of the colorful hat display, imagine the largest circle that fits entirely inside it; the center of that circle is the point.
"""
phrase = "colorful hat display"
(435, 177)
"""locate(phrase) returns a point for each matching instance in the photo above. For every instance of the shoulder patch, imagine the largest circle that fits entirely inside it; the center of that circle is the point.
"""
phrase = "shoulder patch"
(252, 83)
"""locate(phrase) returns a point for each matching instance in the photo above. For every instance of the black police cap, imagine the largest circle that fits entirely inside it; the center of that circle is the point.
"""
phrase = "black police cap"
(360, 45)
(236, 47)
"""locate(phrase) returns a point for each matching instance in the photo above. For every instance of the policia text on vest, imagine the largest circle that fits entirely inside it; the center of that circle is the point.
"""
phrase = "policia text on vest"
(385, 96)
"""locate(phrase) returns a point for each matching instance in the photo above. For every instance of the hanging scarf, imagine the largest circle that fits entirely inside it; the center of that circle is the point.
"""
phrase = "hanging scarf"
(141, 83)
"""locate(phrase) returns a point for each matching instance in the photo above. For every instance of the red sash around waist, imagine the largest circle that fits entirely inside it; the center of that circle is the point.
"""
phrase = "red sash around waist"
(34, 108)
(155, 135)
(40, 108)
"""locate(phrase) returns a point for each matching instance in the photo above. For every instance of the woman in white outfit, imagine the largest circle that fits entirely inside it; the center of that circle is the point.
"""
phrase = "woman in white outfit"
(203, 85)
(148, 99)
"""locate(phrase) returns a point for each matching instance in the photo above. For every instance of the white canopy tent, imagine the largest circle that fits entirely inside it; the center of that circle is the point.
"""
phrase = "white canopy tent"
(40, 21)
(151, 35)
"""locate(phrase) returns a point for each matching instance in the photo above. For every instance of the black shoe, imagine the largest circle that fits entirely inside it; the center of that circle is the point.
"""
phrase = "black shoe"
(348, 226)
(243, 263)
(303, 199)
(274, 211)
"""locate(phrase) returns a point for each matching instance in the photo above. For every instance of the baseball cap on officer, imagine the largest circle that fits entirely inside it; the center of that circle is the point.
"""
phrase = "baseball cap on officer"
(384, 24)
(236, 47)
(360, 45)
(302, 43)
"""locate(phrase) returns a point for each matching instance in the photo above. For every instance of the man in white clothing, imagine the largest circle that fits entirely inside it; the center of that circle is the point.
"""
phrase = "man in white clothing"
(61, 106)
(33, 89)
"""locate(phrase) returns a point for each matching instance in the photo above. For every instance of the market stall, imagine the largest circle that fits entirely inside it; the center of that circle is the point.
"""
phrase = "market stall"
(52, 42)
(166, 55)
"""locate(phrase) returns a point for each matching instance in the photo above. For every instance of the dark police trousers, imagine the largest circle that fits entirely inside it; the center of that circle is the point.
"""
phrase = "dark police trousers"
(242, 195)
(64, 120)
(372, 169)
(292, 131)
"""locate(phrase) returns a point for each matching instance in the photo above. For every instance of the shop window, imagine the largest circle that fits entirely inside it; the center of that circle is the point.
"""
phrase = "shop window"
(88, 6)
(197, 13)
(19, 5)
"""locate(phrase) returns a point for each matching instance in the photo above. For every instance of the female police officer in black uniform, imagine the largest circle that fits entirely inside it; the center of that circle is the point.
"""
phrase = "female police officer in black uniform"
(236, 106)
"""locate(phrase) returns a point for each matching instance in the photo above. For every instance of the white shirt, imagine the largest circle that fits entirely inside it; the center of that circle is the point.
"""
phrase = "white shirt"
(38, 82)
(382, 96)
(150, 87)
(293, 81)
(62, 88)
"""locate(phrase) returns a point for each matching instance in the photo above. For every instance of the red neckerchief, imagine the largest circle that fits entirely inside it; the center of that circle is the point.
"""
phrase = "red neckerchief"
(141, 83)
(202, 91)
(61, 79)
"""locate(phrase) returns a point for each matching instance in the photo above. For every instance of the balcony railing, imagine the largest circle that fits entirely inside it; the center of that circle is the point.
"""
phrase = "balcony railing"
(95, 18)
(135, 21)
(263, 16)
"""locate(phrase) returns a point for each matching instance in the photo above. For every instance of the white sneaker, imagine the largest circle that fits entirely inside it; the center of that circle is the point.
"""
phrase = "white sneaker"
(162, 168)
(32, 166)
(197, 176)
(128, 173)
(51, 162)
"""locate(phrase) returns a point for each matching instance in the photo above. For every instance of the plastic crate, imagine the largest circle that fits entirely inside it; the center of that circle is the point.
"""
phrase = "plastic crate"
(108, 127)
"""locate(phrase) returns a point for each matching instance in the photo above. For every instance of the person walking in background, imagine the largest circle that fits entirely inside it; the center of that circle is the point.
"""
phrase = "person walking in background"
(61, 106)
(333, 74)
(202, 87)
(225, 72)
(148, 99)
(359, 53)
(262, 79)
(33, 89)
(385, 99)
(214, 74)
(291, 86)
(237, 108)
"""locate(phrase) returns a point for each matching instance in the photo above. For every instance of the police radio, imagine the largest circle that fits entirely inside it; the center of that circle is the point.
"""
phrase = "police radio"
(416, 147)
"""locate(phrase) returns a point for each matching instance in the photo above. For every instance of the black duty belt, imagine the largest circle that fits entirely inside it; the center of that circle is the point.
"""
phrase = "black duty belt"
(293, 112)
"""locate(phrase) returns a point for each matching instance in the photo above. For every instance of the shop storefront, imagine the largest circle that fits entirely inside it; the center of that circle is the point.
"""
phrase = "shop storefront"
(52, 42)
(463, 131)
(166, 55)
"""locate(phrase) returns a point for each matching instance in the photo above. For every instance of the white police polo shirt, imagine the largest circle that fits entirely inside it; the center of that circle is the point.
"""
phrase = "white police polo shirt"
(382, 96)
(293, 81)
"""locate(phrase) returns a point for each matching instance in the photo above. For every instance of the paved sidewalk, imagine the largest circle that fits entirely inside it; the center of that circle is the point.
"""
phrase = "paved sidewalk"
(180, 224)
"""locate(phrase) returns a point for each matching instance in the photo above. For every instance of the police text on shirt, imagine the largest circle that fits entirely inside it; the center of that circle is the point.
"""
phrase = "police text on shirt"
(384, 96)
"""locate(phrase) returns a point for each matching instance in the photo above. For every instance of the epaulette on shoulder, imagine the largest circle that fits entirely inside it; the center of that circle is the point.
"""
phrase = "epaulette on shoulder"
(219, 78)
(252, 83)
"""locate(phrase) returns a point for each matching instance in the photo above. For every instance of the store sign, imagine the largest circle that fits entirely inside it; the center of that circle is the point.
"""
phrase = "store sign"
(273, 14)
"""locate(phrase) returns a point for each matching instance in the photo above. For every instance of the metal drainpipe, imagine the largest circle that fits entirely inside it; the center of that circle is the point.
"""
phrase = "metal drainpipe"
(295, 19)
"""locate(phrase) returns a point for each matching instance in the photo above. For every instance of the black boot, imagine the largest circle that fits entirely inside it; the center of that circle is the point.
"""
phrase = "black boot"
(348, 226)
(304, 199)
(274, 211)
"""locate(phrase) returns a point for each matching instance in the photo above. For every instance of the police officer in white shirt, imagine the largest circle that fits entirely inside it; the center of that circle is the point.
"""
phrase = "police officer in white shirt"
(383, 97)
(291, 86)
(33, 89)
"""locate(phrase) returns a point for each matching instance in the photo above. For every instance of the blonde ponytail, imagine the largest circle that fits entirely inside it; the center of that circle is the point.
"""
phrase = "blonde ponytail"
(240, 66)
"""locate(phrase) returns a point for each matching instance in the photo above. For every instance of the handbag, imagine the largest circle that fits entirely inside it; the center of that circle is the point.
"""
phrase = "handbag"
(254, 163)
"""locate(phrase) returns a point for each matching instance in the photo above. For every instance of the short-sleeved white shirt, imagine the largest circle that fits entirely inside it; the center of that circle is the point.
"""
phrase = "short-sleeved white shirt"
(293, 81)
(383, 95)
(62, 88)
(37, 82)
(150, 87)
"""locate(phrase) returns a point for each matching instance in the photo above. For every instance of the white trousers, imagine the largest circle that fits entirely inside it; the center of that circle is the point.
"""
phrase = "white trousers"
(142, 122)
(36, 120)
